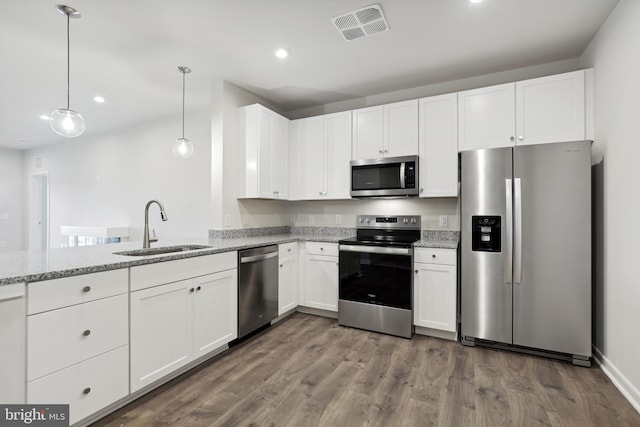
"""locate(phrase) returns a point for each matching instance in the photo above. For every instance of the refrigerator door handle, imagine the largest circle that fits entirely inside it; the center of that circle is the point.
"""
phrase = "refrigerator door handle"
(508, 271)
(517, 231)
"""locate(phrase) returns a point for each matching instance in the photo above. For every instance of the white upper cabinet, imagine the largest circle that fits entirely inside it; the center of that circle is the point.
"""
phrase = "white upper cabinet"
(385, 131)
(551, 109)
(321, 151)
(265, 141)
(486, 117)
(438, 170)
(537, 111)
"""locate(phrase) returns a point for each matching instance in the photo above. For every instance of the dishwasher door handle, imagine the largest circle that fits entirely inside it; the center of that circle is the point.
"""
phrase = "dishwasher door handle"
(254, 258)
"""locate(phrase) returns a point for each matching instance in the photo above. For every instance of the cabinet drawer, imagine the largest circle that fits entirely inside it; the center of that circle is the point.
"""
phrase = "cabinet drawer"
(146, 276)
(61, 338)
(286, 250)
(57, 293)
(322, 248)
(87, 387)
(435, 256)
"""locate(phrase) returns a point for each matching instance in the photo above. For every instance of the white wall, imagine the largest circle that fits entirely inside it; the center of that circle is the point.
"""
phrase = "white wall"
(12, 192)
(107, 179)
(614, 55)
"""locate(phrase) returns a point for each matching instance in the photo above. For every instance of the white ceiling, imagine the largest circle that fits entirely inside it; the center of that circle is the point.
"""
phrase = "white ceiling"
(128, 51)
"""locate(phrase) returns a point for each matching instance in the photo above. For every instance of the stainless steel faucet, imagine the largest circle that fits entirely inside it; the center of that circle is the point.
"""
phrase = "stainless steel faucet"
(146, 243)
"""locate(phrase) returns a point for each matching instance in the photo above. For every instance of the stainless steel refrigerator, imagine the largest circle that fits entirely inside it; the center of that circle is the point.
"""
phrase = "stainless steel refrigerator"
(526, 249)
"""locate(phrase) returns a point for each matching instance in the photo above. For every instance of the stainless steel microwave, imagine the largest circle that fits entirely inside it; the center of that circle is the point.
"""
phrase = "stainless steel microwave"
(385, 177)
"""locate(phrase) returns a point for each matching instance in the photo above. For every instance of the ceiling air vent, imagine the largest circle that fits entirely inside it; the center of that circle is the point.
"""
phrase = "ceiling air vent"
(361, 23)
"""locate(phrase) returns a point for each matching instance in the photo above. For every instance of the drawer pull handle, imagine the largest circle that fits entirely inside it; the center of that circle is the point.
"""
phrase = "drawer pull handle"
(433, 256)
(86, 289)
(86, 390)
(192, 290)
(416, 271)
(289, 250)
(198, 288)
(322, 249)
(281, 265)
(86, 332)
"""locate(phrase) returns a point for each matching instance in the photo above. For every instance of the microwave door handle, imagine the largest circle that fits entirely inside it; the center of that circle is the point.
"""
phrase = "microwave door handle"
(402, 176)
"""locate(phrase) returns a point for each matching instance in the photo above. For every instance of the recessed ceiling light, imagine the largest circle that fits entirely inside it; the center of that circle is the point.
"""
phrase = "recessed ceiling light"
(98, 99)
(45, 117)
(282, 53)
(475, 1)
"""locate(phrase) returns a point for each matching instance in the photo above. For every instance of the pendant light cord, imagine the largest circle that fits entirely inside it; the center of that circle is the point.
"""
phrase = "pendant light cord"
(68, 63)
(183, 79)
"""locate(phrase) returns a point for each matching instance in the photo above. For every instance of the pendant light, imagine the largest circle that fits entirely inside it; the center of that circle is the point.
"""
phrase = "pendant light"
(65, 121)
(182, 147)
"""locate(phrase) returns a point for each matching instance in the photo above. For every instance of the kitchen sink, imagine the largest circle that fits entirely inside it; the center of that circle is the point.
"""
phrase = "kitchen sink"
(161, 250)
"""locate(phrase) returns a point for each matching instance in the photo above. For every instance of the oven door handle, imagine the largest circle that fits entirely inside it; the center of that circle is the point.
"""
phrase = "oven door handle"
(376, 250)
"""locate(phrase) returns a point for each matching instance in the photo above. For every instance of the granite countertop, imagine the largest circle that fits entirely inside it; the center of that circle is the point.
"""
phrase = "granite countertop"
(32, 266)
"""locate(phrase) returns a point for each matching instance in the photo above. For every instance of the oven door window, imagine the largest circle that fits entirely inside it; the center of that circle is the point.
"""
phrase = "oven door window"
(380, 279)
(376, 177)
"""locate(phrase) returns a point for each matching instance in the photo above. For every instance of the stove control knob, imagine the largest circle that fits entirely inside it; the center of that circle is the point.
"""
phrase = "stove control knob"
(361, 220)
(413, 221)
(368, 220)
(406, 220)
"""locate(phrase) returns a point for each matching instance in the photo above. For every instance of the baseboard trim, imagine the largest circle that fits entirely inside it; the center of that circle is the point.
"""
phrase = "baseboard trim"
(421, 330)
(628, 390)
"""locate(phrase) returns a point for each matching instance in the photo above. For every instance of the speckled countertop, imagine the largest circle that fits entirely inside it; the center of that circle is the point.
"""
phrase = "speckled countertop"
(32, 266)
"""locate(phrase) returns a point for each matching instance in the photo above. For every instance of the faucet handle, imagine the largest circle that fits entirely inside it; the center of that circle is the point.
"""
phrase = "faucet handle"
(154, 238)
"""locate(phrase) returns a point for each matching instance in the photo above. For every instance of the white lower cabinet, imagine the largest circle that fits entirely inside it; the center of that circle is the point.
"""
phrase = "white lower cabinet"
(13, 338)
(87, 386)
(77, 341)
(175, 323)
(215, 311)
(161, 331)
(435, 289)
(287, 275)
(320, 280)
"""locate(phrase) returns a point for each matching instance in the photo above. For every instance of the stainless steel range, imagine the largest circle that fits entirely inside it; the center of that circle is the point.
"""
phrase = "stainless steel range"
(376, 280)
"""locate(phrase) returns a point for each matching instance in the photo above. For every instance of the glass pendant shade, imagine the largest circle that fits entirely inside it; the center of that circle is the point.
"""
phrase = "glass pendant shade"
(182, 147)
(67, 122)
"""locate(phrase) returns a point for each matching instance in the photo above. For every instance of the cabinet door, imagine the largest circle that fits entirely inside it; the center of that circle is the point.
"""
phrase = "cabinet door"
(280, 157)
(435, 296)
(161, 331)
(287, 298)
(487, 117)
(265, 153)
(439, 146)
(13, 338)
(368, 133)
(310, 179)
(321, 282)
(337, 131)
(401, 129)
(551, 109)
(215, 311)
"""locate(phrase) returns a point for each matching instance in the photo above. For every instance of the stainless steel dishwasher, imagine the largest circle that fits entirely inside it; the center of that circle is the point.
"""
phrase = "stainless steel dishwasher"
(257, 288)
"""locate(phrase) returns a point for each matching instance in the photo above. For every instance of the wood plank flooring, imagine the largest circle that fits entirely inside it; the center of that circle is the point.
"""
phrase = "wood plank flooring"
(308, 371)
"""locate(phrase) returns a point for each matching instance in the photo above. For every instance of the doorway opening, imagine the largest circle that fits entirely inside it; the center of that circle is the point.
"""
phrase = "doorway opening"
(39, 211)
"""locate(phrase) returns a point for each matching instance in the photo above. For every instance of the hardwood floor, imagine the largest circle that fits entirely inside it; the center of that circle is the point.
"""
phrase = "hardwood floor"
(308, 371)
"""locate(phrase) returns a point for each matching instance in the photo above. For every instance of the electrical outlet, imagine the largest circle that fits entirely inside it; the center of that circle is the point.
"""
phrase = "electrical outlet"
(227, 220)
(312, 219)
(338, 219)
(444, 220)
(245, 219)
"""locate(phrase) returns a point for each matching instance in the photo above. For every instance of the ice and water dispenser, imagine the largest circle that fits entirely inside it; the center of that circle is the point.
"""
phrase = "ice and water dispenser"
(485, 233)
